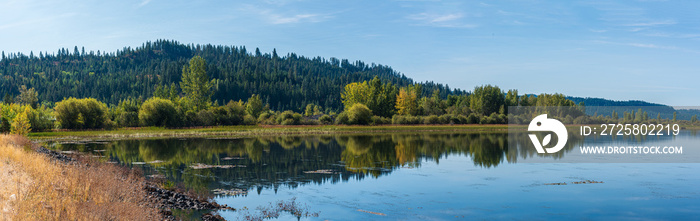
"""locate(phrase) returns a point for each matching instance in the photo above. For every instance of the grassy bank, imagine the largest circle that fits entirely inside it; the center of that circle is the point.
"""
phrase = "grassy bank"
(143, 132)
(35, 187)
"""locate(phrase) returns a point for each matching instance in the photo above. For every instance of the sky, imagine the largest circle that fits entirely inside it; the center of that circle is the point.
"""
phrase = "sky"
(621, 50)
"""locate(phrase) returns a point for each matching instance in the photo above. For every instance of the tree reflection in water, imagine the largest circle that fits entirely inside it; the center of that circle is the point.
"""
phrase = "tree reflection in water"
(271, 162)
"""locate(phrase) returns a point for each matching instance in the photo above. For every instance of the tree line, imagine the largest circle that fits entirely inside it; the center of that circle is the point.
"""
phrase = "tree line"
(371, 102)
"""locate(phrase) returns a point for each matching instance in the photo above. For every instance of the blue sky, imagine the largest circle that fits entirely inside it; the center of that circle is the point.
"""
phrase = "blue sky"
(640, 50)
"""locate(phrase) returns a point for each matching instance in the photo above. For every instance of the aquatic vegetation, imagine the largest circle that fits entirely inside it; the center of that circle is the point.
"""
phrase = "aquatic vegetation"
(273, 210)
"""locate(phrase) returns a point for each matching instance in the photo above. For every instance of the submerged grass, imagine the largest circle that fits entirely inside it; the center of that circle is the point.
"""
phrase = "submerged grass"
(143, 132)
(39, 188)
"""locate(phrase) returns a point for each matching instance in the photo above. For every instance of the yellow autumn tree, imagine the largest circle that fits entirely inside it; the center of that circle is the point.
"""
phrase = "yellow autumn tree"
(407, 101)
(20, 124)
(354, 93)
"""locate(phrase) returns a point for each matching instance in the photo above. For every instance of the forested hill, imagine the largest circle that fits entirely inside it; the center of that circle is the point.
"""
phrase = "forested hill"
(600, 106)
(285, 82)
(589, 101)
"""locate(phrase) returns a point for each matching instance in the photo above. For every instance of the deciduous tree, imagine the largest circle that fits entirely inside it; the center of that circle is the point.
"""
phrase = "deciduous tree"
(196, 84)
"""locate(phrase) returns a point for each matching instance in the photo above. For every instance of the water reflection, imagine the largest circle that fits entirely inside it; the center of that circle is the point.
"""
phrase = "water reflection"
(271, 162)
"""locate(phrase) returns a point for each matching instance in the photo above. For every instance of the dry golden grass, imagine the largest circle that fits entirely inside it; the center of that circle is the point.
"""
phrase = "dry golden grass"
(48, 190)
(13, 183)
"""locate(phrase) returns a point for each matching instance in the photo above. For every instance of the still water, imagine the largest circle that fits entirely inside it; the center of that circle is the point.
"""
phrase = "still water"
(413, 176)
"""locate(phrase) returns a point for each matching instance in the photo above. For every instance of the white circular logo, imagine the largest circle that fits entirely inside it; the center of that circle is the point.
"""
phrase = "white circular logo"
(542, 123)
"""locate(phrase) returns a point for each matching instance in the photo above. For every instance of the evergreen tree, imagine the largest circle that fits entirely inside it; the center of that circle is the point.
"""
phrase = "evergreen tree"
(27, 96)
(8, 99)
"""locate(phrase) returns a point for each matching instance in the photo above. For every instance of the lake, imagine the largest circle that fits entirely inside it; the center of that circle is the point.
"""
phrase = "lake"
(413, 176)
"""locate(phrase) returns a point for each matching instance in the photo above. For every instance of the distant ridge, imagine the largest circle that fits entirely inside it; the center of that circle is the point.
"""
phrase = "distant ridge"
(592, 101)
(605, 107)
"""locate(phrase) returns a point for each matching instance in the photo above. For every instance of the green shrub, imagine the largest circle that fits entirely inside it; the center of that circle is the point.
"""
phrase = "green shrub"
(127, 113)
(111, 125)
(377, 120)
(445, 119)
(264, 116)
(473, 118)
(221, 116)
(41, 119)
(235, 112)
(503, 119)
(461, 119)
(342, 118)
(206, 117)
(325, 119)
(289, 118)
(128, 119)
(86, 113)
(432, 119)
(268, 118)
(359, 114)
(158, 112)
(398, 119)
(249, 120)
(494, 118)
(581, 120)
(309, 122)
(287, 122)
(297, 117)
(406, 119)
(189, 119)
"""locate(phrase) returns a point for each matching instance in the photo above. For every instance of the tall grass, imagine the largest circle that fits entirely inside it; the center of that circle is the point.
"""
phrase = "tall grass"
(48, 190)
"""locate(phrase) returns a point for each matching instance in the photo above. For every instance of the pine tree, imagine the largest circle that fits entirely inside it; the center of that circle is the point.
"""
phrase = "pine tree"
(27, 96)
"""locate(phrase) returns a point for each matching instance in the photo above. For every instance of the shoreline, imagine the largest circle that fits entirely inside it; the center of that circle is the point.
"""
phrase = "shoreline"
(269, 130)
(265, 130)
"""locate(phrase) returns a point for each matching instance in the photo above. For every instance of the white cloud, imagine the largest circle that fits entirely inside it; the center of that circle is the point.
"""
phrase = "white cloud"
(272, 15)
(652, 23)
(280, 19)
(435, 18)
(640, 45)
(445, 18)
(673, 35)
(144, 2)
(451, 20)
